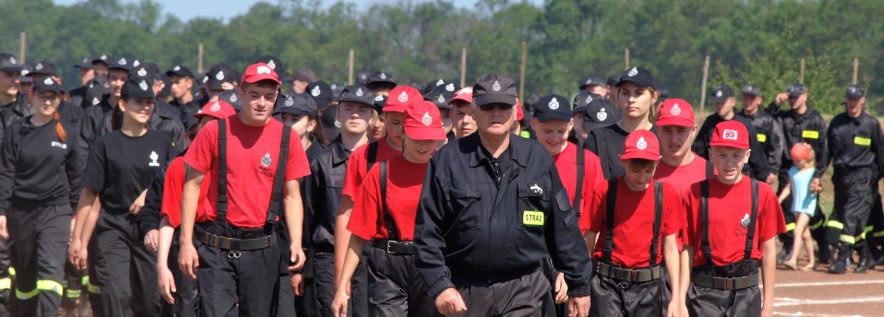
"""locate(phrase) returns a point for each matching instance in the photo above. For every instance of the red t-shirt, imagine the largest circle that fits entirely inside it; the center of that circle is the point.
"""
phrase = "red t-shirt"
(252, 155)
(633, 222)
(682, 177)
(404, 182)
(357, 166)
(566, 163)
(172, 188)
(728, 205)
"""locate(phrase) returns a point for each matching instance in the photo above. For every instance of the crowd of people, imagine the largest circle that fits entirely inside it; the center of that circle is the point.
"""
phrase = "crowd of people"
(144, 192)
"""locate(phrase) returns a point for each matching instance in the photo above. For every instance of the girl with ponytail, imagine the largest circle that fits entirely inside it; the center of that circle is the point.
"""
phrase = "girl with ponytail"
(39, 185)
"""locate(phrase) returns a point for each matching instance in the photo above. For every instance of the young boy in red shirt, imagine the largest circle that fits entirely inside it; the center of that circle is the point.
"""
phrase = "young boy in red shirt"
(732, 223)
(636, 220)
(385, 215)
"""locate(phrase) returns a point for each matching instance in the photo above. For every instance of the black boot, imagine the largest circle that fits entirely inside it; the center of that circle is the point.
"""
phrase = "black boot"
(866, 260)
(843, 261)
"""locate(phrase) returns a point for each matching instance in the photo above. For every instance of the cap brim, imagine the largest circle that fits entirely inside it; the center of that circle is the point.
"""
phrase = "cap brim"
(641, 155)
(362, 101)
(425, 133)
(295, 111)
(485, 99)
(261, 77)
(397, 108)
(630, 80)
(547, 116)
(729, 144)
(676, 121)
(457, 99)
(12, 68)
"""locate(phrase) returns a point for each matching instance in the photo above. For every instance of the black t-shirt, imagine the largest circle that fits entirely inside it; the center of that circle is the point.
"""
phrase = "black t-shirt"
(120, 167)
(608, 144)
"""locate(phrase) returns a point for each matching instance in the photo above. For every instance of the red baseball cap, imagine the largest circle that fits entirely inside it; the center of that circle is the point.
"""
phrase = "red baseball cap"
(641, 144)
(401, 97)
(259, 72)
(465, 94)
(217, 109)
(730, 133)
(801, 151)
(520, 114)
(423, 121)
(676, 112)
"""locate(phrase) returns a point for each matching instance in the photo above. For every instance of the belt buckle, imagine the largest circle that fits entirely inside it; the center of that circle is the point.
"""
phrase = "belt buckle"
(389, 245)
(730, 283)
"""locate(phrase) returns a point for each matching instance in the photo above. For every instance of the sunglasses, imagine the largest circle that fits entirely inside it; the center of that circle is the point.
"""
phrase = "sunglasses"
(498, 105)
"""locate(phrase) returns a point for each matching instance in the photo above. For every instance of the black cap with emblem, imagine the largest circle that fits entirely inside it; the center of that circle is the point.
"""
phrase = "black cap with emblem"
(380, 80)
(721, 93)
(440, 96)
(85, 63)
(380, 101)
(751, 90)
(356, 93)
(591, 81)
(796, 90)
(231, 97)
(274, 62)
(179, 71)
(599, 113)
(47, 84)
(43, 68)
(854, 92)
(639, 76)
(552, 107)
(9, 63)
(494, 88)
(219, 74)
(122, 63)
(297, 104)
(137, 88)
(321, 93)
(94, 95)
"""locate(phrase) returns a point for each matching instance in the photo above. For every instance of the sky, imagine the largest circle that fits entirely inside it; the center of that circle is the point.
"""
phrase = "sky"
(226, 9)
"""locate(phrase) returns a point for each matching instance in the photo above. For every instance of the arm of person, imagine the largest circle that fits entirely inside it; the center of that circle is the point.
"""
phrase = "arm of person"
(8, 156)
(768, 274)
(73, 168)
(165, 279)
(84, 206)
(342, 235)
(294, 218)
(88, 224)
(590, 238)
(188, 259)
(673, 264)
(342, 290)
(787, 190)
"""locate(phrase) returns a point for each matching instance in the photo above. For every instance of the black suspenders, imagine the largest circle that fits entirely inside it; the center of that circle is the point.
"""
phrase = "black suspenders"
(372, 155)
(392, 231)
(704, 222)
(276, 201)
(578, 189)
(611, 200)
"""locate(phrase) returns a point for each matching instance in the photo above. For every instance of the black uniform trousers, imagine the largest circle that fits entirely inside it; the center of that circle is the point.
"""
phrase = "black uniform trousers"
(319, 290)
(39, 237)
(875, 227)
(611, 297)
(711, 302)
(123, 278)
(238, 283)
(396, 287)
(6, 277)
(522, 296)
(186, 291)
(853, 204)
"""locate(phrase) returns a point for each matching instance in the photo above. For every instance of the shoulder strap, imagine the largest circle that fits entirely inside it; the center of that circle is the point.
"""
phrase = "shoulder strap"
(371, 155)
(392, 231)
(581, 170)
(602, 148)
(750, 236)
(704, 221)
(276, 199)
(710, 169)
(221, 212)
(610, 200)
(658, 216)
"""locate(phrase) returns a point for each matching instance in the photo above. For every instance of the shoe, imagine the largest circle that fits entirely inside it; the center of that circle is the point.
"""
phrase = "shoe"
(865, 259)
(843, 260)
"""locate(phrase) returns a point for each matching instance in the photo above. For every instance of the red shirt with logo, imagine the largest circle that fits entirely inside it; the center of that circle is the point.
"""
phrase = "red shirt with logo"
(404, 182)
(252, 155)
(173, 185)
(682, 177)
(633, 222)
(357, 167)
(566, 163)
(728, 206)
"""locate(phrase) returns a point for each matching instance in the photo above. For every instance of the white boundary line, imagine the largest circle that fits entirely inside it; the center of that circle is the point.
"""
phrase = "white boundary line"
(832, 283)
(801, 314)
(784, 302)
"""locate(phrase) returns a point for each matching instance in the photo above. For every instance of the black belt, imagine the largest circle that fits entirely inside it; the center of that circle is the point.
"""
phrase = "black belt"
(628, 275)
(235, 244)
(726, 283)
(394, 247)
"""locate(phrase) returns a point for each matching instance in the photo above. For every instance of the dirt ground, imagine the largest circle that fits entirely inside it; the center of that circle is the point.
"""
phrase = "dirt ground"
(821, 294)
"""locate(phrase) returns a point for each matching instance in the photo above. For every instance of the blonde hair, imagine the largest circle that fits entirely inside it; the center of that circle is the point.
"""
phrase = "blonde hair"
(652, 107)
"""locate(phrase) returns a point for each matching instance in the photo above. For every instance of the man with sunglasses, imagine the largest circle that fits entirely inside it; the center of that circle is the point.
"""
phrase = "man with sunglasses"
(493, 207)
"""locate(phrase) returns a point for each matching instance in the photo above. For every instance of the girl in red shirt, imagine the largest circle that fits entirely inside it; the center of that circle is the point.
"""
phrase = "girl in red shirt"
(385, 214)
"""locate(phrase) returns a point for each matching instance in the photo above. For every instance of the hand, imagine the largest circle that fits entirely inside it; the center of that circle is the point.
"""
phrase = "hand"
(166, 283)
(297, 283)
(766, 311)
(561, 289)
(449, 302)
(188, 260)
(82, 259)
(578, 306)
(674, 309)
(771, 179)
(781, 97)
(3, 232)
(816, 186)
(74, 251)
(297, 259)
(339, 304)
(135, 208)
(152, 240)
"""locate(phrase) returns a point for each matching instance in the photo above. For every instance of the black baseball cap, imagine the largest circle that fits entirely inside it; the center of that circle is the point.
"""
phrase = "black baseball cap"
(85, 63)
(321, 93)
(494, 88)
(47, 84)
(220, 73)
(330, 124)
(855, 92)
(440, 96)
(380, 79)
(179, 71)
(9, 63)
(305, 74)
(121, 63)
(721, 94)
(613, 79)
(591, 81)
(94, 95)
(137, 88)
(299, 105)
(44, 68)
(380, 101)
(582, 100)
(639, 76)
(356, 93)
(142, 72)
(230, 97)
(599, 113)
(273, 62)
(552, 107)
(751, 90)
(796, 90)
(103, 59)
